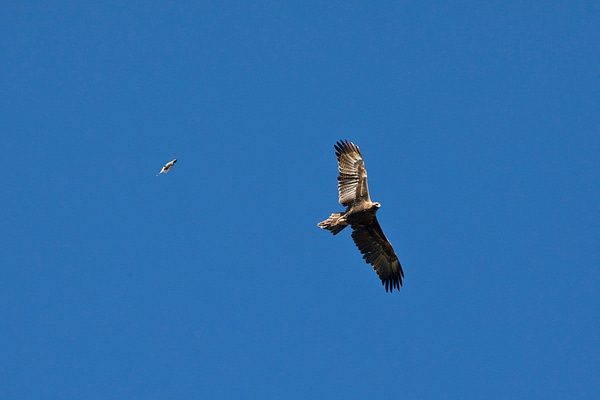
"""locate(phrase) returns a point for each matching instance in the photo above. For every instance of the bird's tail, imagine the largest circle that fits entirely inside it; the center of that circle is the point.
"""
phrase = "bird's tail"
(332, 224)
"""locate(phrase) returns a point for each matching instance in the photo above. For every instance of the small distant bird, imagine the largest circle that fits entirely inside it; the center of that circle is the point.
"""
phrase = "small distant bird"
(167, 167)
(360, 215)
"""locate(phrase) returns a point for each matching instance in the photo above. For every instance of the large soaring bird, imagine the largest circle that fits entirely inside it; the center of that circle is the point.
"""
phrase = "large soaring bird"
(360, 215)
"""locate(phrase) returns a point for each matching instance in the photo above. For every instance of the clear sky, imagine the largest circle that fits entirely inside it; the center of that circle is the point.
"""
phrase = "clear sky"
(480, 129)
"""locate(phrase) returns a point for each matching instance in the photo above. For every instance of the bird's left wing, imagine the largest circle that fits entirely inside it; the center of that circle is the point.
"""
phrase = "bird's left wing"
(378, 251)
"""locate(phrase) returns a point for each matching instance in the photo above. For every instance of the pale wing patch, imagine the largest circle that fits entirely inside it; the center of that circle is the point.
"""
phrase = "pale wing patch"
(352, 181)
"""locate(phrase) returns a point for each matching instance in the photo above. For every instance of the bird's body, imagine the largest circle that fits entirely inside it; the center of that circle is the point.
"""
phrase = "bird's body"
(360, 215)
(167, 167)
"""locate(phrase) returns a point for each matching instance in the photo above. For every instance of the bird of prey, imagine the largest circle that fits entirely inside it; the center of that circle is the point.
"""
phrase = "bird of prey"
(167, 167)
(360, 215)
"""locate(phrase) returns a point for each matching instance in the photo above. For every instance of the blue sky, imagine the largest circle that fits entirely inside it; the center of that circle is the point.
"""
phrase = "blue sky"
(479, 125)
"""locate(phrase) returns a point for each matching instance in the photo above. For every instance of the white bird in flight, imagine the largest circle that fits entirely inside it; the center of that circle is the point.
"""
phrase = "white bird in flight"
(167, 167)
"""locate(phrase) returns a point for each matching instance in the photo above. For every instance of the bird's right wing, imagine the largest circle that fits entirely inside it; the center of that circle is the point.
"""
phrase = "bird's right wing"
(352, 181)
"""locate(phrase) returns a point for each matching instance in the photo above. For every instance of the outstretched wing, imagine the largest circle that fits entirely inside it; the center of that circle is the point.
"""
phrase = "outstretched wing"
(378, 251)
(352, 181)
